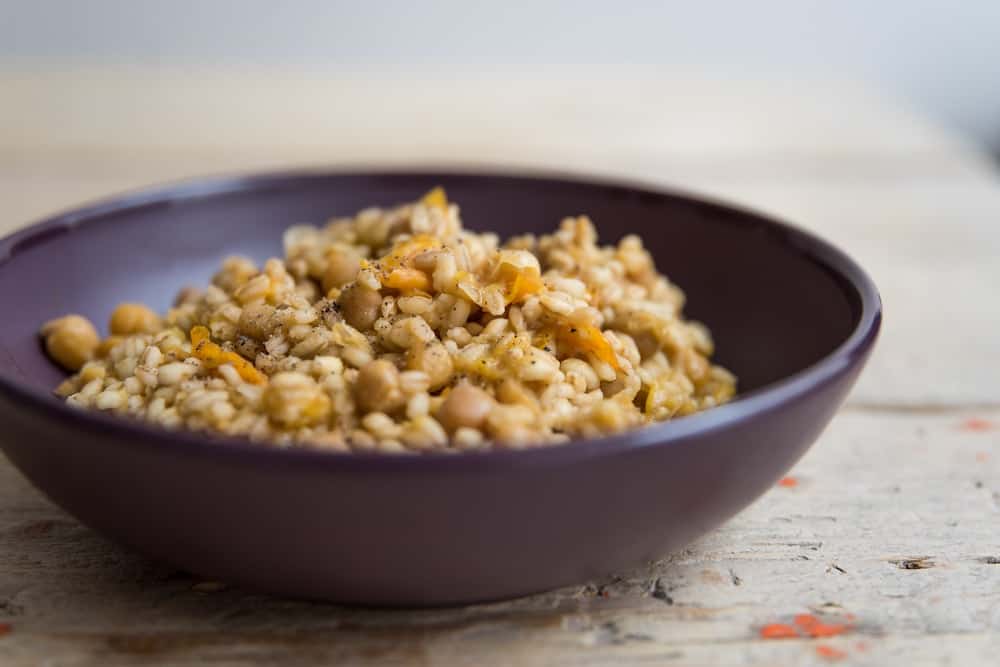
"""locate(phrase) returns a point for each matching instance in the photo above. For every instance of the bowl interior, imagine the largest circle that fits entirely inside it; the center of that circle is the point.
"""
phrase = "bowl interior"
(773, 306)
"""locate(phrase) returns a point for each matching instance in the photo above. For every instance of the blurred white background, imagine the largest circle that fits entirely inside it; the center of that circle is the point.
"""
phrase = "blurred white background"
(942, 57)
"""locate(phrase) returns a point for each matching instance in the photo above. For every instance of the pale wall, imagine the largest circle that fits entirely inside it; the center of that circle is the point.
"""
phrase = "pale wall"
(943, 56)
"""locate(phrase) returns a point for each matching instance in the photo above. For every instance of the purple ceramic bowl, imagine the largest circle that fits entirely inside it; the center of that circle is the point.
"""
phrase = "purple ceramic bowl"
(792, 316)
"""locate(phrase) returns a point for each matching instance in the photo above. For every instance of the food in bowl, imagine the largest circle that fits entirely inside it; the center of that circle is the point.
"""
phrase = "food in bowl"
(397, 330)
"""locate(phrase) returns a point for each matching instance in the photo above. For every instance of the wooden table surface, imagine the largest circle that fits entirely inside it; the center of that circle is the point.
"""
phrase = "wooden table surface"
(888, 530)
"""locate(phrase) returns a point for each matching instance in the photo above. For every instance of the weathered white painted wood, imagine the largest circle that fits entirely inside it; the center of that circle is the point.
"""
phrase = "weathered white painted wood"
(395, 113)
(896, 478)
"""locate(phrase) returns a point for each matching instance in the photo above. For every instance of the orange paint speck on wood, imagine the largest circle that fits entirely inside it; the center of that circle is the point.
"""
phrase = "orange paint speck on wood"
(788, 482)
(805, 620)
(4, 629)
(778, 631)
(823, 630)
(977, 425)
(830, 652)
(813, 627)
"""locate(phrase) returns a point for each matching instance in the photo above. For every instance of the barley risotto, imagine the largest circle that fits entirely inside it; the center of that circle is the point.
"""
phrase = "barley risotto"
(399, 331)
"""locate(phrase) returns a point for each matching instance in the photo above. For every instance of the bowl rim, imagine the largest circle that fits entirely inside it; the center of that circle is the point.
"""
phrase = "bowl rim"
(744, 407)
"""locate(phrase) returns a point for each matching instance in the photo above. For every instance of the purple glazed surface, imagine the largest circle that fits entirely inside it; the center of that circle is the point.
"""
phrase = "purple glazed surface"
(794, 318)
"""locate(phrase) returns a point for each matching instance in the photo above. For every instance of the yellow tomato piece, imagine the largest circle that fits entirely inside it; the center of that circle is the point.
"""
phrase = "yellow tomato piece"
(588, 338)
(518, 281)
(403, 252)
(406, 279)
(199, 334)
(397, 272)
(542, 339)
(213, 356)
(436, 198)
(524, 285)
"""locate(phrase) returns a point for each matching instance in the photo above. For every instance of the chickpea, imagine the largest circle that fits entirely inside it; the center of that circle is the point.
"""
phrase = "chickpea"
(434, 360)
(133, 318)
(187, 295)
(71, 341)
(513, 392)
(377, 387)
(360, 306)
(257, 320)
(107, 345)
(342, 266)
(466, 406)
